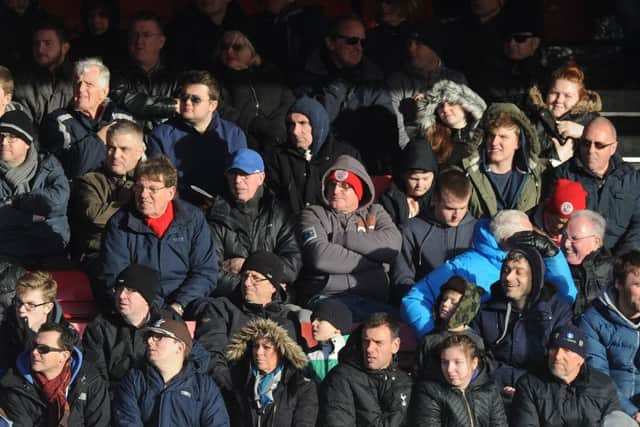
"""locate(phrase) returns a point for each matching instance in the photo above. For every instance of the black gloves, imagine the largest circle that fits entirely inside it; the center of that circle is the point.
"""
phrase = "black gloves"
(542, 243)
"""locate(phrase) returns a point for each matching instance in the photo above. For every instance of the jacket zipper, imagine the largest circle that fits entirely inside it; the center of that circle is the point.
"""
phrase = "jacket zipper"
(466, 402)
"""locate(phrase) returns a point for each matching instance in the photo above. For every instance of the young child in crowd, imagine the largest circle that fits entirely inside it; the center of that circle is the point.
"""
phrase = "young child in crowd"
(456, 306)
(331, 324)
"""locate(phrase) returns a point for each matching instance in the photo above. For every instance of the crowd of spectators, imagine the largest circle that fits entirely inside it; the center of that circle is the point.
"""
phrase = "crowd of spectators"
(260, 176)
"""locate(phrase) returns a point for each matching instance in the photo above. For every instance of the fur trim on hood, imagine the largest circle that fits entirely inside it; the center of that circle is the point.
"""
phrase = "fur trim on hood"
(591, 104)
(351, 164)
(450, 91)
(240, 344)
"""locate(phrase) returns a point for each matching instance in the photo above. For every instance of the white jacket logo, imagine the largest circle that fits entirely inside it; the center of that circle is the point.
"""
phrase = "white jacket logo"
(403, 397)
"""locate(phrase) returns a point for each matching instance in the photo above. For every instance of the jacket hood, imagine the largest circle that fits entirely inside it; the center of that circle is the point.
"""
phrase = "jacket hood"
(591, 103)
(485, 242)
(417, 154)
(467, 309)
(456, 93)
(536, 264)
(530, 145)
(318, 117)
(23, 364)
(608, 299)
(240, 345)
(352, 165)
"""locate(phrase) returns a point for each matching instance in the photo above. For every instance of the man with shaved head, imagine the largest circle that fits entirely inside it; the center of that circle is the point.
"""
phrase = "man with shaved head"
(612, 185)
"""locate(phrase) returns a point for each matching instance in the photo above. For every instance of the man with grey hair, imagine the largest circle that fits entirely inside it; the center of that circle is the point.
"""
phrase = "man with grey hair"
(481, 265)
(612, 185)
(98, 195)
(77, 134)
(590, 261)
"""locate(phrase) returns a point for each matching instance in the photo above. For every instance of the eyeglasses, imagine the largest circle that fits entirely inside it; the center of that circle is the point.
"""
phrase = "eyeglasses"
(195, 99)
(351, 40)
(124, 289)
(254, 278)
(155, 337)
(599, 145)
(8, 136)
(45, 349)
(576, 239)
(141, 189)
(145, 35)
(341, 185)
(521, 38)
(237, 47)
(28, 305)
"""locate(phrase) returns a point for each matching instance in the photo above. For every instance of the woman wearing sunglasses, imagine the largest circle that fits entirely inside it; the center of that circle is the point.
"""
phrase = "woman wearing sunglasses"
(252, 89)
(562, 114)
(33, 306)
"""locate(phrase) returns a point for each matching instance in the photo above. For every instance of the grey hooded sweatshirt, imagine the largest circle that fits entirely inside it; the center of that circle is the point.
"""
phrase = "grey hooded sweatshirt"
(338, 255)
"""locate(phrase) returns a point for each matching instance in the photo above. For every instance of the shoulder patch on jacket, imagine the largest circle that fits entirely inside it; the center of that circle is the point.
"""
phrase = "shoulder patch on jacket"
(309, 234)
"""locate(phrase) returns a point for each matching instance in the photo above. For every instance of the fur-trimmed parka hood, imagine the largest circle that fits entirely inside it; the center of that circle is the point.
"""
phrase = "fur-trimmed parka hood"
(240, 344)
(590, 104)
(450, 91)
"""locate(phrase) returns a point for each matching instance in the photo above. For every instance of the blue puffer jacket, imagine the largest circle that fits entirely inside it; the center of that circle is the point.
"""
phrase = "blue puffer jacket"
(73, 137)
(20, 234)
(191, 398)
(613, 344)
(518, 340)
(201, 159)
(185, 256)
(481, 266)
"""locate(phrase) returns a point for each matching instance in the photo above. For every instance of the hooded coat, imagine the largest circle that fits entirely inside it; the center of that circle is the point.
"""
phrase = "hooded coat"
(592, 276)
(417, 155)
(353, 395)
(87, 395)
(437, 403)
(190, 399)
(480, 265)
(295, 398)
(582, 113)
(338, 256)
(517, 339)
(613, 346)
(528, 171)
(295, 174)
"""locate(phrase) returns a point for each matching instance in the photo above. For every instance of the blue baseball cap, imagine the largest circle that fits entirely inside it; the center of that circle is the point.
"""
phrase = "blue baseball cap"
(247, 160)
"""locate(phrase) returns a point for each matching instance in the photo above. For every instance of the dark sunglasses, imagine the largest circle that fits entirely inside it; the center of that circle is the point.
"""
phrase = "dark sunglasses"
(237, 47)
(195, 99)
(599, 145)
(351, 40)
(45, 349)
(520, 38)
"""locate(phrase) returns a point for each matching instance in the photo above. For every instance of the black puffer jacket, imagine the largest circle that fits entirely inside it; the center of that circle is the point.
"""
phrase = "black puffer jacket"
(435, 403)
(240, 229)
(147, 96)
(616, 196)
(220, 318)
(354, 396)
(10, 273)
(114, 346)
(261, 102)
(592, 276)
(16, 336)
(547, 401)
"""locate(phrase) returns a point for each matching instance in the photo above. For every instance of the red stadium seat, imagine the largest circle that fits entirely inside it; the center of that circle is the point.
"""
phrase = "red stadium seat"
(75, 295)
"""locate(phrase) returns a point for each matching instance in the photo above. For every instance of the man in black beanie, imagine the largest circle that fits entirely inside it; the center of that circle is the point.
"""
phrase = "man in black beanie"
(114, 340)
(260, 295)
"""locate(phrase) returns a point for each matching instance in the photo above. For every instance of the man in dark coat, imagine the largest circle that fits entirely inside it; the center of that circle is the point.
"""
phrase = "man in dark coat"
(612, 185)
(568, 392)
(114, 340)
(295, 169)
(248, 218)
(367, 387)
(53, 385)
(516, 323)
(590, 262)
(260, 295)
(172, 388)
(164, 233)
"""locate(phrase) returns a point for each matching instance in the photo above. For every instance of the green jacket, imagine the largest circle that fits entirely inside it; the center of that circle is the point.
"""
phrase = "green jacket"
(324, 357)
(484, 202)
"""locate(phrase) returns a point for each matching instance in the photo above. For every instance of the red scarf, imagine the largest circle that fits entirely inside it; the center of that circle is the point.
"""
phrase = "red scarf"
(54, 391)
(161, 224)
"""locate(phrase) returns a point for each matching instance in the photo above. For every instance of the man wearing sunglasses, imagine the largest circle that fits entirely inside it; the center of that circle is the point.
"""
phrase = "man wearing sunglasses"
(53, 385)
(198, 142)
(613, 186)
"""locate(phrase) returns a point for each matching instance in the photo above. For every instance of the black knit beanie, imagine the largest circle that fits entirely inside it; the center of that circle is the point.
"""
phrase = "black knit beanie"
(334, 312)
(143, 279)
(267, 264)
